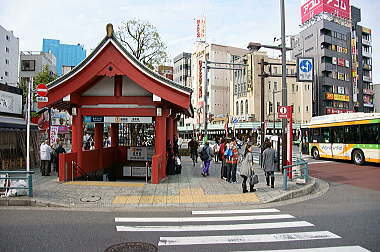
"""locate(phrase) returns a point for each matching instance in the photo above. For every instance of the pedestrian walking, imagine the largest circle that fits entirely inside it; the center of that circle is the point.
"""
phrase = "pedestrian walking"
(193, 148)
(45, 155)
(216, 149)
(58, 151)
(269, 158)
(180, 142)
(232, 157)
(206, 157)
(246, 169)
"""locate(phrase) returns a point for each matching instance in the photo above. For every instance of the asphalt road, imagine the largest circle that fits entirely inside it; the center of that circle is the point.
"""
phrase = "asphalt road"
(348, 215)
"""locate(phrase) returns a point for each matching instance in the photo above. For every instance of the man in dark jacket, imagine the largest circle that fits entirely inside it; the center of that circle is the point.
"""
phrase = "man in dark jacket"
(207, 160)
(269, 157)
(58, 151)
(193, 148)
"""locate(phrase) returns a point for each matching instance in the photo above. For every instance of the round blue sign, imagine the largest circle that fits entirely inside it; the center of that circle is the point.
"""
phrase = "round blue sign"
(306, 66)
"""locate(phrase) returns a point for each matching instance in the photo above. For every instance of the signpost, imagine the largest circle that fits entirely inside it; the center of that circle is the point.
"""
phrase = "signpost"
(305, 69)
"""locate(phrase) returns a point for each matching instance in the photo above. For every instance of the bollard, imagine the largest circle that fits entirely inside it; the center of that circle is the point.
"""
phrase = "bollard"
(285, 179)
(30, 185)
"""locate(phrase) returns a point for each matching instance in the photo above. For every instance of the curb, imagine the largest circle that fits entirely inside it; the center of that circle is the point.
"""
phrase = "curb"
(307, 189)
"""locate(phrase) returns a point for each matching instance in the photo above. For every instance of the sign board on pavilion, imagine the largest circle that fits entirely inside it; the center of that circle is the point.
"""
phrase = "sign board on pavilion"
(284, 112)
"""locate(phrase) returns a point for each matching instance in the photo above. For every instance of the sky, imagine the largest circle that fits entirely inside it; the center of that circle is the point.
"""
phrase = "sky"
(228, 22)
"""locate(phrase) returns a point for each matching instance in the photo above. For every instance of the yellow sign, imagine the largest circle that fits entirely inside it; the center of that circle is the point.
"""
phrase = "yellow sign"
(339, 97)
(366, 30)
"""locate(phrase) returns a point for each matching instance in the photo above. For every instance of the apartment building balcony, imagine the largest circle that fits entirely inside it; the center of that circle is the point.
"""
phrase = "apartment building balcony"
(327, 67)
(366, 42)
(367, 78)
(367, 54)
(367, 67)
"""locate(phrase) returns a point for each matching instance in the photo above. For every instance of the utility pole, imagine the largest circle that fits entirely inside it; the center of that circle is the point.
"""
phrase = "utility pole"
(30, 85)
(205, 103)
(284, 85)
(262, 63)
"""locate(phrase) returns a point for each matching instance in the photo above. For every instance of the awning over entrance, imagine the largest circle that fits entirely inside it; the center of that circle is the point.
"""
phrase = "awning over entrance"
(111, 82)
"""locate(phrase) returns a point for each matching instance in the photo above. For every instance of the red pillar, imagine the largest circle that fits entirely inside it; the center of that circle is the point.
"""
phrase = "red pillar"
(114, 134)
(118, 81)
(77, 137)
(98, 135)
(159, 171)
(175, 128)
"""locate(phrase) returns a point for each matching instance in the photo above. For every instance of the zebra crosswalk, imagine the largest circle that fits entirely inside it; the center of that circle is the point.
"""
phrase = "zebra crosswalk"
(259, 226)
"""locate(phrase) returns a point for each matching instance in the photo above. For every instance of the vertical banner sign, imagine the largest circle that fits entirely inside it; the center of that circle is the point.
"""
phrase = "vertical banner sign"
(200, 93)
(53, 134)
(355, 90)
(305, 69)
(201, 30)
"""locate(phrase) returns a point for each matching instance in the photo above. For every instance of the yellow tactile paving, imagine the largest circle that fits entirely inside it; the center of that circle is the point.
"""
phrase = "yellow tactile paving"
(186, 196)
(101, 183)
(119, 200)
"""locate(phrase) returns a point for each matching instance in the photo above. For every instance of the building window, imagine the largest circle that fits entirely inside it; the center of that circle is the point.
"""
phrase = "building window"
(7, 61)
(269, 85)
(7, 37)
(241, 108)
(307, 108)
(293, 88)
(237, 108)
(28, 65)
(299, 109)
(246, 107)
(6, 73)
(270, 107)
(275, 70)
(275, 86)
(7, 49)
(297, 88)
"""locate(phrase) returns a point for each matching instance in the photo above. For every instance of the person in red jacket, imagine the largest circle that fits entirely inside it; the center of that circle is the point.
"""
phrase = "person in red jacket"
(232, 157)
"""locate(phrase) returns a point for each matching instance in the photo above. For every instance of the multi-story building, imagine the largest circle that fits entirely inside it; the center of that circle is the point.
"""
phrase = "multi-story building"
(166, 71)
(376, 101)
(31, 63)
(218, 88)
(342, 54)
(363, 93)
(329, 43)
(182, 69)
(246, 85)
(9, 57)
(67, 56)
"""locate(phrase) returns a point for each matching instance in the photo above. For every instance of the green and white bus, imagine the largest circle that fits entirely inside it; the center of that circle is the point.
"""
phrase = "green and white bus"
(347, 136)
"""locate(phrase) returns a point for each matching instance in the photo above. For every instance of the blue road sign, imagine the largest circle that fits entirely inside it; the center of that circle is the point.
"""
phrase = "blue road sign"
(306, 65)
(305, 71)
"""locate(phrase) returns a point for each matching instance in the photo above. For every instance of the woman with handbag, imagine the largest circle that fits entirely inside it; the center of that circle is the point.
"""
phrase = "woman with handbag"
(246, 170)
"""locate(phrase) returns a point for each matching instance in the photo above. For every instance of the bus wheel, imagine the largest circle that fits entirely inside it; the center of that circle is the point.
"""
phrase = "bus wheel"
(315, 153)
(358, 157)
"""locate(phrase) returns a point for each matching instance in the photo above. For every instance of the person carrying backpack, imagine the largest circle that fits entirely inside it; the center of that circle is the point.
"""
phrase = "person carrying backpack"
(232, 157)
(206, 157)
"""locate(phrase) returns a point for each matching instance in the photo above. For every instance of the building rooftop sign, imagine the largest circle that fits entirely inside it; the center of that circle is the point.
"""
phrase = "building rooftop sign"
(339, 8)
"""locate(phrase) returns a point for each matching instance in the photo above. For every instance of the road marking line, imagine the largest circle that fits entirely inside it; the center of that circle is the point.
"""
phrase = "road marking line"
(326, 249)
(100, 183)
(204, 219)
(213, 227)
(300, 236)
(236, 211)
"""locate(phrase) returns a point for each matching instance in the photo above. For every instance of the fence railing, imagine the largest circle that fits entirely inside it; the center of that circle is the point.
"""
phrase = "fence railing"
(303, 172)
(28, 177)
(75, 167)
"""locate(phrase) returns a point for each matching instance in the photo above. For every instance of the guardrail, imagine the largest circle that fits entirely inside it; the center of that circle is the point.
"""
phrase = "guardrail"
(304, 172)
(28, 177)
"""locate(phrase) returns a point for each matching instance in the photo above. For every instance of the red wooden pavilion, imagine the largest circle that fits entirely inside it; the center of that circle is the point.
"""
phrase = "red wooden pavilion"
(111, 82)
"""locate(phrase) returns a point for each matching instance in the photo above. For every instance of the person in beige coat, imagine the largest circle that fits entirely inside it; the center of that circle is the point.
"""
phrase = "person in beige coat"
(246, 168)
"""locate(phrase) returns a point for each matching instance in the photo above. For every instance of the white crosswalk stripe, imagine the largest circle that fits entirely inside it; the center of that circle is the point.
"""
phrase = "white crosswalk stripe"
(272, 218)
(326, 249)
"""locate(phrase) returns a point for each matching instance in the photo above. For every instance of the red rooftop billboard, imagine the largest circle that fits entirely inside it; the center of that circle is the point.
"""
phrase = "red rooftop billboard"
(340, 8)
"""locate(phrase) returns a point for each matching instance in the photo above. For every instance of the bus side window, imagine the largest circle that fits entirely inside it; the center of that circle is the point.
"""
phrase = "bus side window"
(325, 135)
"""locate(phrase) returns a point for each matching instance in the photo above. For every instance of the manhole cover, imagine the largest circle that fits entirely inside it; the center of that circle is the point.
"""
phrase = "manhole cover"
(132, 247)
(90, 199)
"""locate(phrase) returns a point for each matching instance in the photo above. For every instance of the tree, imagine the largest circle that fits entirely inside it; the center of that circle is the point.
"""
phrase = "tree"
(45, 76)
(142, 39)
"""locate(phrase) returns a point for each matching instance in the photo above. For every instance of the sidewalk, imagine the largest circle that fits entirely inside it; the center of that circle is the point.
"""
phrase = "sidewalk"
(188, 189)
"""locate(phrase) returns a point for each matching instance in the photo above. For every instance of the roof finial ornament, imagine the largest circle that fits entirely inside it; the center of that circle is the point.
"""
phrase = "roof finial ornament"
(109, 29)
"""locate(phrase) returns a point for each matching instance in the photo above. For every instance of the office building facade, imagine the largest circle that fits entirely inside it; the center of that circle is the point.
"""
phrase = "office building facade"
(182, 69)
(32, 63)
(9, 57)
(166, 71)
(67, 56)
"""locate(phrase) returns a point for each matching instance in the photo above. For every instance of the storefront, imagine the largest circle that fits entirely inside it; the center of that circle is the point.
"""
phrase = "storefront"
(128, 105)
